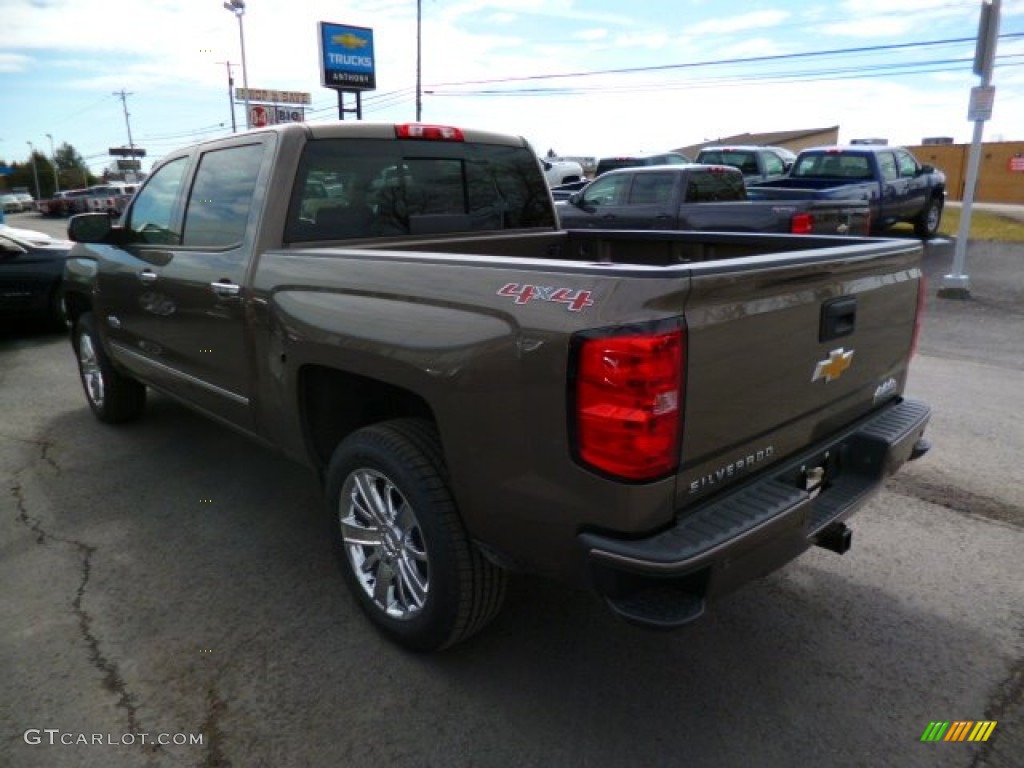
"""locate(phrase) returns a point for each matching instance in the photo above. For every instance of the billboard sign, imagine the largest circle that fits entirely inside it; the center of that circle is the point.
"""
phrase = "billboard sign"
(261, 116)
(347, 57)
(272, 96)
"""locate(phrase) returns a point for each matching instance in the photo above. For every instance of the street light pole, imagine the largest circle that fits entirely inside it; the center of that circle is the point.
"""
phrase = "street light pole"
(53, 159)
(237, 7)
(35, 173)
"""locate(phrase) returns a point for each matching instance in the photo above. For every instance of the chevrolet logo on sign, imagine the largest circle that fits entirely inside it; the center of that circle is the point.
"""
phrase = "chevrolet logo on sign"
(348, 40)
(832, 368)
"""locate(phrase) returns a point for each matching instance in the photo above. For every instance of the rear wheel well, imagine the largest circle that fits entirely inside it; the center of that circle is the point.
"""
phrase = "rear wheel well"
(337, 403)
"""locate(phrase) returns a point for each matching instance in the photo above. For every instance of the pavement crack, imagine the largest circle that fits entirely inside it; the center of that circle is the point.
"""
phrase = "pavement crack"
(955, 498)
(1004, 707)
(213, 735)
(111, 675)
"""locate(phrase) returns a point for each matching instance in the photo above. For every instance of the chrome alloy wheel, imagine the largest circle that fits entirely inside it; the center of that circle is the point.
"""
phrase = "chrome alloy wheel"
(92, 376)
(384, 544)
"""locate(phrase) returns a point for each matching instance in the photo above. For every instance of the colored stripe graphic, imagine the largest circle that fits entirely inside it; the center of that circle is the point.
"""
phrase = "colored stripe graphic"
(982, 730)
(959, 730)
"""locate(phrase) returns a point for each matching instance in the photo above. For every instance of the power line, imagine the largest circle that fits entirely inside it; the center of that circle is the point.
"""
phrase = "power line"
(721, 62)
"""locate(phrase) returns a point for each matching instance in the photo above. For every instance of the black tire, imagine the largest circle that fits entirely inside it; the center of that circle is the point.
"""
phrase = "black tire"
(113, 397)
(927, 224)
(58, 314)
(422, 582)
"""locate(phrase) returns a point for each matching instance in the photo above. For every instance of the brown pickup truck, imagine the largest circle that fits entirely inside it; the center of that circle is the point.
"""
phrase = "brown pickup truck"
(660, 416)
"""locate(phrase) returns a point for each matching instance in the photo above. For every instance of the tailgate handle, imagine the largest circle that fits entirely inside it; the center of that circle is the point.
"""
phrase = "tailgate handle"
(838, 318)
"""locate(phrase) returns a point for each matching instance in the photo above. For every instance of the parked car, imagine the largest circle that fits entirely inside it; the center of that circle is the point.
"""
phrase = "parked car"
(10, 203)
(606, 164)
(66, 203)
(31, 266)
(896, 186)
(755, 163)
(28, 203)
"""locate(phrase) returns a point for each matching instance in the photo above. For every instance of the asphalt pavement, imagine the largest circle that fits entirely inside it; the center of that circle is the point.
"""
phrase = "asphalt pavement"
(169, 578)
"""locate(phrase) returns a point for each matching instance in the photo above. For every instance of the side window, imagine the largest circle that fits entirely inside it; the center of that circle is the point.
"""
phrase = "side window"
(218, 206)
(611, 190)
(652, 188)
(887, 166)
(773, 164)
(152, 216)
(907, 164)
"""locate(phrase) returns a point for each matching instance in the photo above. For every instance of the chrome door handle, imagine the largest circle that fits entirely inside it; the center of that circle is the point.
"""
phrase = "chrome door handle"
(226, 290)
(148, 276)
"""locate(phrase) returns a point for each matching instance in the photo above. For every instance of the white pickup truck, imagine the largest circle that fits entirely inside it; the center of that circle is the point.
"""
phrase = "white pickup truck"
(561, 171)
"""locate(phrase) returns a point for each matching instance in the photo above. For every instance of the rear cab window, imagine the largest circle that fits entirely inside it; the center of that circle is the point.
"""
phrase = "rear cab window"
(366, 188)
(715, 186)
(834, 165)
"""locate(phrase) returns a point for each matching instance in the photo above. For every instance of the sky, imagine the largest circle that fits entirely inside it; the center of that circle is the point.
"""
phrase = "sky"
(579, 77)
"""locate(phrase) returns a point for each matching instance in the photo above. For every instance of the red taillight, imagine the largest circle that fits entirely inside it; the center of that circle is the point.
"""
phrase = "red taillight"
(922, 291)
(435, 132)
(801, 224)
(628, 403)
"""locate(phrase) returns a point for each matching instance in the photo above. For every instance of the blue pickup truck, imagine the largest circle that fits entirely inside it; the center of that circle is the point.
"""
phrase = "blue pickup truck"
(895, 185)
(704, 198)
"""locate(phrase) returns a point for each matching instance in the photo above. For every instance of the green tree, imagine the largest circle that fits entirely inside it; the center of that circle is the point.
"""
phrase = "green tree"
(72, 168)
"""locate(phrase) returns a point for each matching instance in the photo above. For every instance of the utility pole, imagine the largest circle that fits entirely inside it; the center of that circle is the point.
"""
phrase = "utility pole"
(124, 104)
(35, 173)
(231, 94)
(956, 285)
(419, 61)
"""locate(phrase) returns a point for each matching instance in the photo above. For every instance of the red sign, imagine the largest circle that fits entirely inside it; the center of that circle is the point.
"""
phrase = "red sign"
(1017, 163)
(259, 117)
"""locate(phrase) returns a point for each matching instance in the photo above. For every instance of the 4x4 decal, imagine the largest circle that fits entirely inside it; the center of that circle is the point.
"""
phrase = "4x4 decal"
(574, 299)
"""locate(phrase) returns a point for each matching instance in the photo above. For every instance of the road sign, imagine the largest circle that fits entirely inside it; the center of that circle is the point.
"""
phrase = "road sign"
(126, 152)
(982, 99)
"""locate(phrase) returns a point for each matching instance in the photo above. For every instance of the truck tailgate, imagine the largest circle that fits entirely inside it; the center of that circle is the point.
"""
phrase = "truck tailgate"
(783, 353)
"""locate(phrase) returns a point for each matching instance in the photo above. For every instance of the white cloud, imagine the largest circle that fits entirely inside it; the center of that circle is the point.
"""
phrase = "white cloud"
(739, 23)
(14, 62)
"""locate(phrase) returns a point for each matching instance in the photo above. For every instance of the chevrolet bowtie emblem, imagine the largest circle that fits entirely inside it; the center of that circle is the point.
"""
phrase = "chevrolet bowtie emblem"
(829, 370)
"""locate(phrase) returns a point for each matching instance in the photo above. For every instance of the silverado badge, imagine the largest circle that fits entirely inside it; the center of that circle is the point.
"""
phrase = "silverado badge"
(832, 368)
